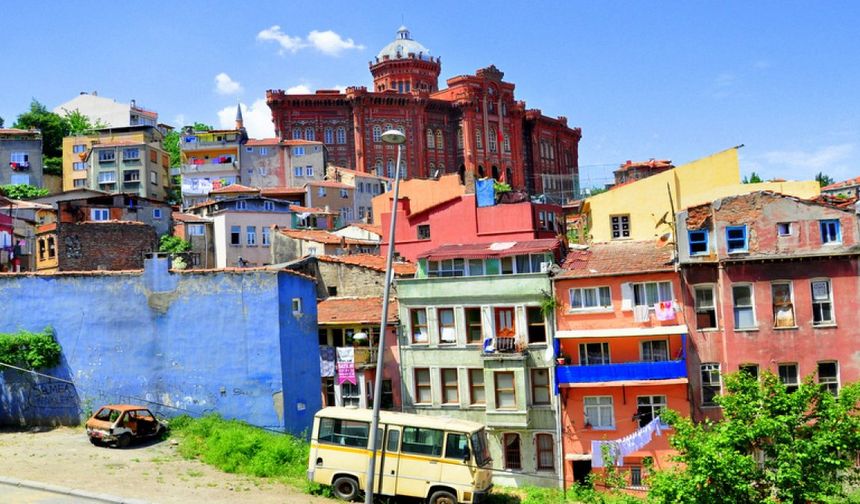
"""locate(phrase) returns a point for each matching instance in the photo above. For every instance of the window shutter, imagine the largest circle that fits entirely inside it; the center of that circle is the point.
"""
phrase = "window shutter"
(626, 296)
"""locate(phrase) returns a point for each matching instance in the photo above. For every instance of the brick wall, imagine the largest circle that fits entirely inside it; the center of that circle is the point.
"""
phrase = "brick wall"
(91, 246)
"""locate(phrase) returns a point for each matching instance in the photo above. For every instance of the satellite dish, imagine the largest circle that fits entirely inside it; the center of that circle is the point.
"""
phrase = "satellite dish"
(665, 239)
(359, 336)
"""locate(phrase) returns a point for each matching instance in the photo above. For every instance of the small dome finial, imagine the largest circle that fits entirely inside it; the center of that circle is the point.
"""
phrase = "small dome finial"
(403, 33)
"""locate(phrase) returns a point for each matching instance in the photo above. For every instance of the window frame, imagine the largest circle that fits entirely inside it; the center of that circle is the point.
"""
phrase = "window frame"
(544, 388)
(472, 386)
(598, 297)
(415, 323)
(654, 413)
(606, 356)
(825, 231)
(751, 306)
(251, 236)
(498, 391)
(788, 225)
(422, 232)
(541, 450)
(710, 368)
(829, 301)
(643, 288)
(448, 387)
(830, 381)
(789, 386)
(440, 326)
(540, 322)
(791, 303)
(703, 309)
(422, 386)
(512, 464)
(601, 410)
(96, 214)
(699, 241)
(651, 342)
(470, 324)
(622, 221)
(730, 249)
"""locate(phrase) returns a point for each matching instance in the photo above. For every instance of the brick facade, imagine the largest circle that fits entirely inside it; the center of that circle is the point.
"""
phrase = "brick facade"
(89, 246)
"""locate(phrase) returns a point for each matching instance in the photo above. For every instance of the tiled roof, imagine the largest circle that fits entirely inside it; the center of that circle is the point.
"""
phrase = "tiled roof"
(118, 143)
(651, 163)
(184, 217)
(833, 201)
(372, 228)
(358, 173)
(616, 258)
(234, 188)
(371, 261)
(277, 191)
(329, 183)
(262, 141)
(202, 204)
(311, 210)
(845, 183)
(353, 310)
(496, 249)
(300, 142)
(321, 236)
(16, 131)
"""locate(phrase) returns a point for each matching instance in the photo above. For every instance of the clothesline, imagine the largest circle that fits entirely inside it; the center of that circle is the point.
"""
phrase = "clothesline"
(620, 448)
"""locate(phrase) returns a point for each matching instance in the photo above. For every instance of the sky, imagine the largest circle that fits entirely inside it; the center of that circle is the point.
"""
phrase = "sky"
(672, 80)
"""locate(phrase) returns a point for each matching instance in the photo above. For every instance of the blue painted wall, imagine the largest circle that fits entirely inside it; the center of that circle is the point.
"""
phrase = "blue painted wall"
(223, 342)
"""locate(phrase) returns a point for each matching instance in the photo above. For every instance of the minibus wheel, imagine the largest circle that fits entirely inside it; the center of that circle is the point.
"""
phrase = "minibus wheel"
(443, 497)
(345, 488)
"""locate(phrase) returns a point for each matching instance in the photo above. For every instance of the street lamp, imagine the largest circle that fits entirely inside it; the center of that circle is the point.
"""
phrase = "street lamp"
(391, 137)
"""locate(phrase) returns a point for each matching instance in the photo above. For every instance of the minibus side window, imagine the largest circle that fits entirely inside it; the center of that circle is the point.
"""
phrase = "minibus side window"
(393, 441)
(343, 432)
(456, 446)
(422, 441)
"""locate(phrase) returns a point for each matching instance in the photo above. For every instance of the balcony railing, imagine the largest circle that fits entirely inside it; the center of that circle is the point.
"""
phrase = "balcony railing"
(623, 371)
(365, 356)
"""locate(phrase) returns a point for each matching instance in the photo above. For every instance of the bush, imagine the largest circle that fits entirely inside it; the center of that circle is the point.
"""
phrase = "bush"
(30, 350)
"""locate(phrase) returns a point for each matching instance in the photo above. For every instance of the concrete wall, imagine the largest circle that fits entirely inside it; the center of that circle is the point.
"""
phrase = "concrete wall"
(33, 149)
(227, 255)
(191, 342)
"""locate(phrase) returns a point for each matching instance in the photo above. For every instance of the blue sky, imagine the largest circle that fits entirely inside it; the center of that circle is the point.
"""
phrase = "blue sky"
(676, 80)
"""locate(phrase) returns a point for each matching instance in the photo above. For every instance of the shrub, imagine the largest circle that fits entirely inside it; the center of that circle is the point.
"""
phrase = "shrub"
(30, 350)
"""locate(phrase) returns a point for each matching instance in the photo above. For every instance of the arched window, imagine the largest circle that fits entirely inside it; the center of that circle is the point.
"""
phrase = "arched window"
(507, 141)
(341, 135)
(432, 167)
(377, 134)
(309, 134)
(297, 133)
(551, 151)
(389, 172)
(387, 127)
(492, 140)
(379, 167)
(545, 455)
(459, 138)
(440, 142)
(430, 143)
(513, 460)
(441, 167)
(403, 171)
(479, 141)
(401, 129)
(328, 136)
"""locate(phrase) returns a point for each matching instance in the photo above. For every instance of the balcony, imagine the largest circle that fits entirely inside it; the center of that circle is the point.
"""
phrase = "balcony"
(365, 357)
(190, 168)
(622, 372)
(504, 347)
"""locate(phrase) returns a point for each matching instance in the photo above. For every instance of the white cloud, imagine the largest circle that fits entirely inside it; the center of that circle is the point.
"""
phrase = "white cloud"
(820, 159)
(836, 160)
(257, 118)
(225, 85)
(327, 42)
(179, 121)
(299, 89)
(287, 43)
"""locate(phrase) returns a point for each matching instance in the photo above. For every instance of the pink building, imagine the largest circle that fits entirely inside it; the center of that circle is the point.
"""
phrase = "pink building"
(771, 283)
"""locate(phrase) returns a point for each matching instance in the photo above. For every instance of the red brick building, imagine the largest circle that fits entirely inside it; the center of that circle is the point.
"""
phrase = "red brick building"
(474, 127)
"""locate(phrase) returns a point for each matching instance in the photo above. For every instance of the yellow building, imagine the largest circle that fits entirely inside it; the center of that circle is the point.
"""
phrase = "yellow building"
(642, 210)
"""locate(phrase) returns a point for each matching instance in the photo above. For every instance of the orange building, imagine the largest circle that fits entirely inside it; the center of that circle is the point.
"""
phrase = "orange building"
(622, 354)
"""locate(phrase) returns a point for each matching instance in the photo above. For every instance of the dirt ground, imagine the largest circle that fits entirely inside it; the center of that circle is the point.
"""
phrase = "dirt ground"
(151, 471)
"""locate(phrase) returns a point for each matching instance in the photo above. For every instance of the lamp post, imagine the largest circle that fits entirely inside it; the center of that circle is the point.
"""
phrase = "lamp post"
(391, 137)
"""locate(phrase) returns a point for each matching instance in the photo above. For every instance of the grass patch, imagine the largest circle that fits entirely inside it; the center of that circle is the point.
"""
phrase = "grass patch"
(578, 494)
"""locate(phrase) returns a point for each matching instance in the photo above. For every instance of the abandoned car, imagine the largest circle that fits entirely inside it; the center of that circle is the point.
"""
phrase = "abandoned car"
(120, 424)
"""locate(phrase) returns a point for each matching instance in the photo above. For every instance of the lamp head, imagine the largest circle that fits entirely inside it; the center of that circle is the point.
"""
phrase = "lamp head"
(393, 137)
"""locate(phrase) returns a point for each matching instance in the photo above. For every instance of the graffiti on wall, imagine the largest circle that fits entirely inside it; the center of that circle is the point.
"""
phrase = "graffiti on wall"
(52, 395)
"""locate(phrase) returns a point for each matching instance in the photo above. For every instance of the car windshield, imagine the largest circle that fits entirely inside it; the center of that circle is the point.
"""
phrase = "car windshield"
(481, 448)
(108, 414)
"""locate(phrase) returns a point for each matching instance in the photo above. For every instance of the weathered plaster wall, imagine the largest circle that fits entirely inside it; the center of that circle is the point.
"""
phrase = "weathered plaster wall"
(192, 342)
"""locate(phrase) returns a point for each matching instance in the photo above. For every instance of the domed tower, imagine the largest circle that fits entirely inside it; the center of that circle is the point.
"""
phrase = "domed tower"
(405, 66)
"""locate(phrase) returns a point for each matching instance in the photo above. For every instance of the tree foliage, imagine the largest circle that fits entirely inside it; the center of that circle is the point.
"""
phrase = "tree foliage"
(1, 122)
(823, 180)
(771, 446)
(171, 145)
(80, 124)
(52, 126)
(753, 178)
(199, 126)
(30, 350)
(173, 244)
(23, 191)
(594, 191)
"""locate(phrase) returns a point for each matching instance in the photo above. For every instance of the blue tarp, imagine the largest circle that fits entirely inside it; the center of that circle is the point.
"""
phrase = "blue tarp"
(485, 191)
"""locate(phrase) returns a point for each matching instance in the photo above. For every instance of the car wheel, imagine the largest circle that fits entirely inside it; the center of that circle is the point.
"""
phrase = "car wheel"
(123, 441)
(345, 488)
(95, 441)
(443, 497)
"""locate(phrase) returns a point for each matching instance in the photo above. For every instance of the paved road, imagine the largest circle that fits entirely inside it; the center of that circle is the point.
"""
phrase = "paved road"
(24, 495)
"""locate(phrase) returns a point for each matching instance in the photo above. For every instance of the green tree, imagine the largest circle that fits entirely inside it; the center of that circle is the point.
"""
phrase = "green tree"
(173, 244)
(52, 126)
(23, 191)
(171, 145)
(594, 191)
(753, 179)
(772, 446)
(823, 180)
(1, 122)
(199, 126)
(80, 124)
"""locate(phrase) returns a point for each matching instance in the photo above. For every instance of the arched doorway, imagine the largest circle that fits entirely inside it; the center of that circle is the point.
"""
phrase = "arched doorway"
(462, 173)
(495, 172)
(481, 172)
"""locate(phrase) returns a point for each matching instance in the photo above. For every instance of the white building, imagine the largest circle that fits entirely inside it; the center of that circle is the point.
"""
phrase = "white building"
(109, 111)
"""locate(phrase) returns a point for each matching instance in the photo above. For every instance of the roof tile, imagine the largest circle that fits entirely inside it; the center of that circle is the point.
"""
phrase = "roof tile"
(345, 310)
(616, 258)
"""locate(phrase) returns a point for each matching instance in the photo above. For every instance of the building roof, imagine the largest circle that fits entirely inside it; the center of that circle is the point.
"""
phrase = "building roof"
(370, 228)
(282, 191)
(296, 141)
(357, 173)
(371, 261)
(402, 46)
(616, 258)
(651, 163)
(262, 141)
(118, 143)
(322, 236)
(495, 249)
(329, 183)
(311, 210)
(836, 185)
(184, 217)
(354, 310)
(234, 188)
(17, 131)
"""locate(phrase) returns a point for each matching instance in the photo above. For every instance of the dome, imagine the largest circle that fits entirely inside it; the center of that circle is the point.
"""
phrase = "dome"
(404, 45)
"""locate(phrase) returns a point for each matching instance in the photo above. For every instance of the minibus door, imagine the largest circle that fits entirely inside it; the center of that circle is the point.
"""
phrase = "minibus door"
(388, 462)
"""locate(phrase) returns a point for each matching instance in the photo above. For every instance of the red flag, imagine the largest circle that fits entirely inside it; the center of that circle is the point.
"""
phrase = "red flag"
(501, 138)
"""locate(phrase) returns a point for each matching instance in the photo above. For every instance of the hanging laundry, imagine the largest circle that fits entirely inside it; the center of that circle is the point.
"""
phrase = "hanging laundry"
(641, 313)
(664, 311)
(620, 448)
(327, 361)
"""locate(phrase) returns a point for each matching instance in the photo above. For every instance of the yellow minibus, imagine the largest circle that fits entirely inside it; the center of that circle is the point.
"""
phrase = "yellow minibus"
(442, 460)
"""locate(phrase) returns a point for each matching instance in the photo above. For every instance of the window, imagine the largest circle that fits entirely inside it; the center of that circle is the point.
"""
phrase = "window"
(107, 177)
(131, 176)
(830, 232)
(297, 306)
(344, 432)
(328, 136)
(430, 139)
(268, 205)
(479, 141)
(298, 151)
(350, 394)
(445, 268)
(107, 156)
(266, 236)
(706, 309)
(711, 387)
(635, 476)
(513, 460)
(131, 154)
(341, 135)
(344, 193)
(297, 133)
(389, 171)
(540, 386)
(241, 205)
(491, 140)
(506, 395)
(750, 369)
(783, 305)
(309, 171)
(195, 229)
(387, 394)
(297, 171)
(419, 326)
(620, 226)
(153, 178)
(591, 354)
(828, 376)
(156, 213)
(536, 325)
(599, 413)
(655, 350)
(736, 239)
(99, 214)
(788, 376)
(590, 298)
(422, 441)
(529, 263)
(822, 303)
(424, 232)
(456, 446)
(79, 166)
(78, 148)
(545, 455)
(235, 233)
(252, 235)
(507, 145)
(447, 333)
(476, 387)
(321, 191)
(651, 293)
(474, 328)
(505, 322)
(459, 138)
(698, 242)
(264, 151)
(79, 183)
(377, 134)
(309, 134)
(648, 407)
(440, 142)
(450, 393)
(422, 386)
(783, 228)
(476, 267)
(742, 298)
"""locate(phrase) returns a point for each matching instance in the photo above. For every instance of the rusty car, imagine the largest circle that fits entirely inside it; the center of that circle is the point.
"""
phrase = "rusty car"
(120, 424)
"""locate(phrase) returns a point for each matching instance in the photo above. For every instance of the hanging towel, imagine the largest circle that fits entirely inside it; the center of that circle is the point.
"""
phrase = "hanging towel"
(664, 311)
(640, 313)
(327, 361)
